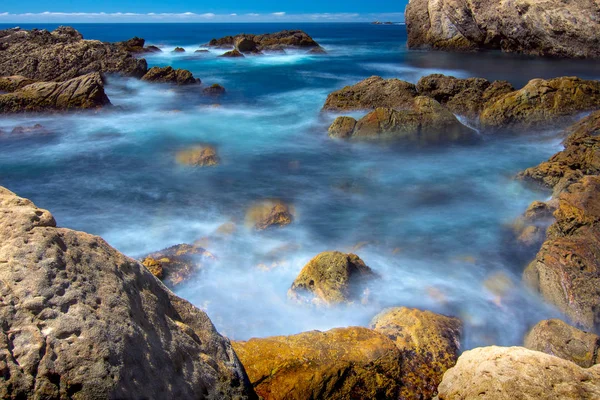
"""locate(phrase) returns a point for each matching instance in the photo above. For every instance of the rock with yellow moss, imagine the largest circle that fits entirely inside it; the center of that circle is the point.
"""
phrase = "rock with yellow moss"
(269, 213)
(177, 264)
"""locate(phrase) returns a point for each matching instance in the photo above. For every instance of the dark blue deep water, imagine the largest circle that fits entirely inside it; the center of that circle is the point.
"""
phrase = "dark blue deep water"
(432, 223)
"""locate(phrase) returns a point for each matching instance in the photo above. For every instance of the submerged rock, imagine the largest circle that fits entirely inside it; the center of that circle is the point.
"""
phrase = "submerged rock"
(548, 28)
(542, 104)
(61, 55)
(317, 50)
(214, 90)
(199, 156)
(506, 373)
(232, 53)
(268, 214)
(331, 278)
(429, 344)
(177, 264)
(81, 320)
(169, 75)
(84, 92)
(342, 363)
(560, 339)
(427, 123)
(371, 93)
(467, 97)
(15, 82)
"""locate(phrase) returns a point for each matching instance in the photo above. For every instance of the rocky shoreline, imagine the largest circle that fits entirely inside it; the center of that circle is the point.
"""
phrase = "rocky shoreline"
(81, 320)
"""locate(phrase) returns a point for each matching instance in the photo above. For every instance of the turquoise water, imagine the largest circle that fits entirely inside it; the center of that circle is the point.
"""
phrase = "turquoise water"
(432, 223)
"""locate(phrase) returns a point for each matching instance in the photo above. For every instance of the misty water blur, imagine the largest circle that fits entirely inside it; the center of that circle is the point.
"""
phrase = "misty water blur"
(434, 224)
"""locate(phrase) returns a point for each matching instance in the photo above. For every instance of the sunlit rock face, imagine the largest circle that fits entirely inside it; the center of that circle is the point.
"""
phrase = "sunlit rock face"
(82, 320)
(543, 28)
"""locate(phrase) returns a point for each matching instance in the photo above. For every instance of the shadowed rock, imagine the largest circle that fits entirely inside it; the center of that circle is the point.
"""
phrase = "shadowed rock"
(177, 264)
(12, 83)
(81, 320)
(256, 43)
(560, 339)
(232, 54)
(214, 90)
(84, 92)
(135, 45)
(544, 28)
(169, 75)
(61, 55)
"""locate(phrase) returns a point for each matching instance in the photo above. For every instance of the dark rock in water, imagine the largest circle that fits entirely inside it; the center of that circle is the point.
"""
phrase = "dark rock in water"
(61, 55)
(506, 373)
(276, 49)
(214, 90)
(201, 51)
(317, 50)
(549, 28)
(169, 75)
(233, 53)
(339, 364)
(542, 104)
(84, 92)
(136, 45)
(81, 320)
(467, 97)
(429, 344)
(252, 43)
(371, 93)
(331, 278)
(12, 83)
(581, 156)
(427, 123)
(177, 264)
(560, 339)
(152, 49)
(25, 130)
(178, 50)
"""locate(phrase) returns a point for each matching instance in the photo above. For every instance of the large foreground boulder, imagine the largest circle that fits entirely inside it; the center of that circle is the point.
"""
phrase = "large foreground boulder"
(371, 93)
(332, 277)
(343, 363)
(81, 320)
(545, 28)
(426, 123)
(61, 55)
(542, 104)
(560, 339)
(429, 344)
(169, 75)
(84, 92)
(509, 373)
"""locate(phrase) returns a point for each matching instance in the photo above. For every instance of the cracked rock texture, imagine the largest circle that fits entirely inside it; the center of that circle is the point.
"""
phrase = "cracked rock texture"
(81, 320)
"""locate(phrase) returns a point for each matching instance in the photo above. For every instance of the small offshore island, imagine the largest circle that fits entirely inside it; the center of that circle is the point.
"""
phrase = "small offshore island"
(391, 211)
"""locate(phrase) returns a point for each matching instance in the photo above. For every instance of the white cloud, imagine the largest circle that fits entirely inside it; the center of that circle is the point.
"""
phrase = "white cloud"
(253, 15)
(278, 14)
(233, 15)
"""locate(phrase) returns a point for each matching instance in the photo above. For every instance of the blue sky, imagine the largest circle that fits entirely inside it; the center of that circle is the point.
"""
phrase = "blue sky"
(200, 11)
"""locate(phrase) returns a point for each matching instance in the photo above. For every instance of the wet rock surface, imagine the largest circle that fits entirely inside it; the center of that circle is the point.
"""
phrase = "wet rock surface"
(179, 77)
(250, 43)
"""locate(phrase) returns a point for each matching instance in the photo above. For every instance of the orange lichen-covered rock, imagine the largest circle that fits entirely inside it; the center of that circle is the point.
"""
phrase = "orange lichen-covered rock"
(269, 213)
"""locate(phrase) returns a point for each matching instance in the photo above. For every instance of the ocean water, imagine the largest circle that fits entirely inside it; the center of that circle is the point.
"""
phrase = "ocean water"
(433, 223)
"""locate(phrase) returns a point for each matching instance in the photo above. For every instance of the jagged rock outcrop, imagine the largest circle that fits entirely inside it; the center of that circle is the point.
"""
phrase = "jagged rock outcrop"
(537, 27)
(507, 373)
(179, 77)
(340, 364)
(268, 214)
(429, 344)
(177, 264)
(12, 83)
(84, 92)
(466, 97)
(581, 156)
(560, 339)
(542, 104)
(426, 123)
(81, 320)
(332, 277)
(371, 93)
(61, 55)
(235, 53)
(136, 45)
(249, 43)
